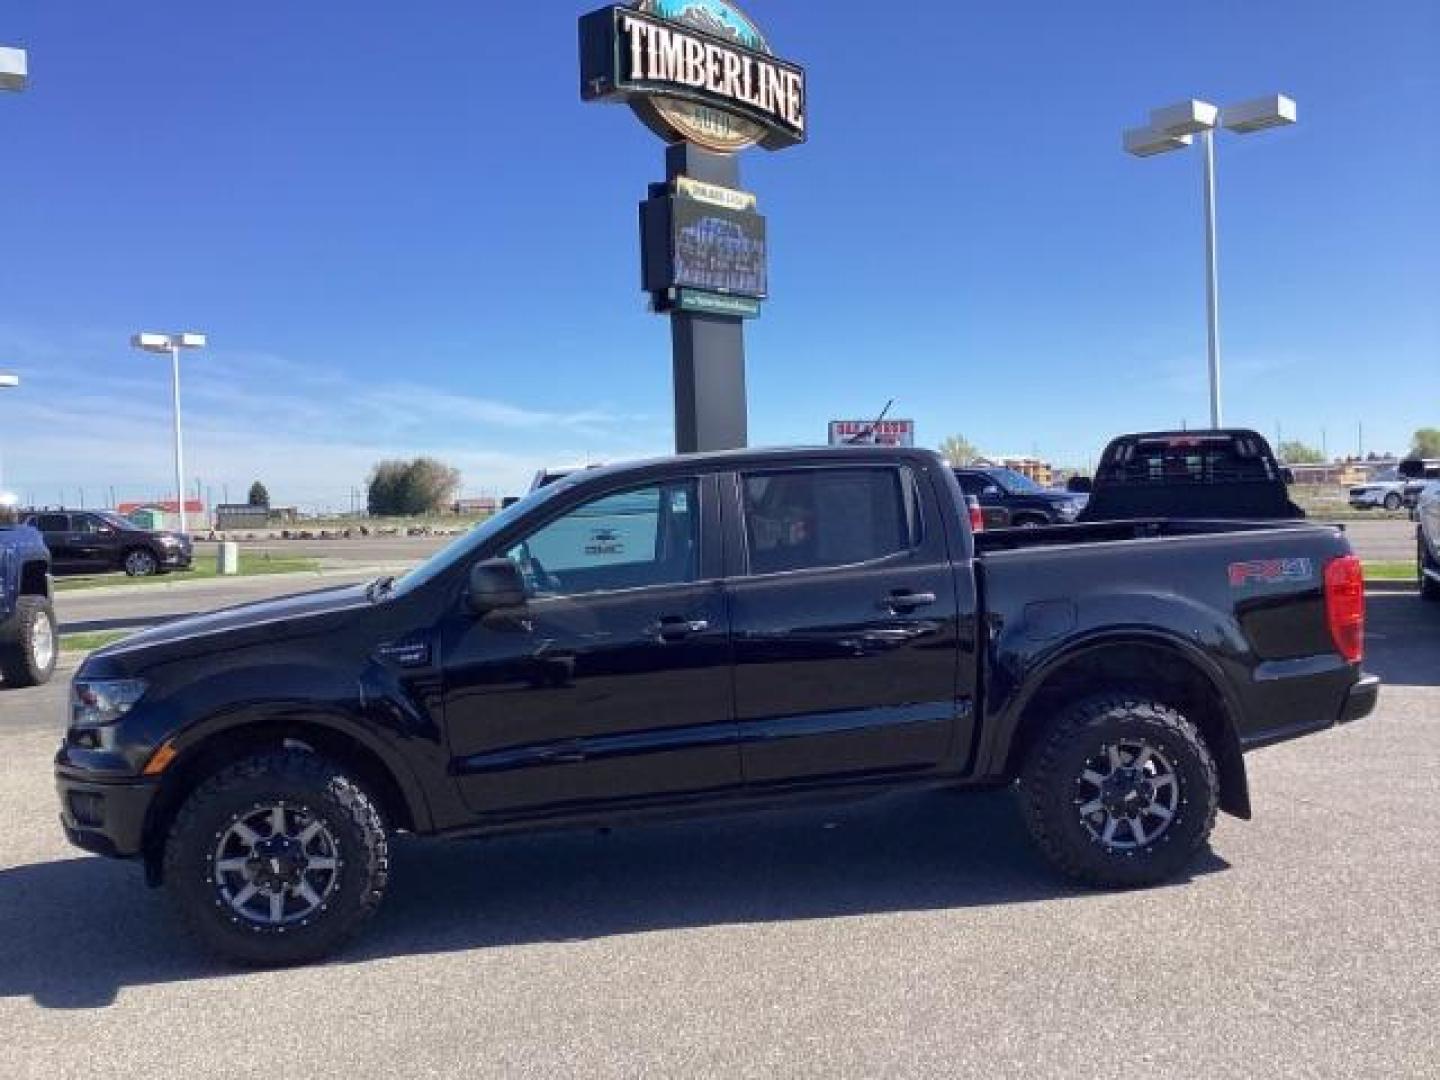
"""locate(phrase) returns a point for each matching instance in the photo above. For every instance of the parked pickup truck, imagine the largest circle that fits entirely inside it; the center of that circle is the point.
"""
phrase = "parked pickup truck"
(1220, 473)
(716, 631)
(27, 620)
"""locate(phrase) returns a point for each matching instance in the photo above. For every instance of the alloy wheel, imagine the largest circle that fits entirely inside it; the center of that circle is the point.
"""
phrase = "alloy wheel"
(275, 865)
(42, 642)
(1127, 795)
(140, 564)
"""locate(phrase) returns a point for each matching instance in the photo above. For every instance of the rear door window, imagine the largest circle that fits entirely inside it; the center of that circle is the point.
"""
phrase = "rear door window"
(814, 518)
(53, 523)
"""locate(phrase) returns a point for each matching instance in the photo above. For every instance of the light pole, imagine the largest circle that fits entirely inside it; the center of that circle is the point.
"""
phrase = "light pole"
(1173, 128)
(14, 71)
(172, 344)
(7, 382)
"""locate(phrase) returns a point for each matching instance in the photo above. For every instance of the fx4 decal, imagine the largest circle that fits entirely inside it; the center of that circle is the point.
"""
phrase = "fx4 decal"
(1270, 571)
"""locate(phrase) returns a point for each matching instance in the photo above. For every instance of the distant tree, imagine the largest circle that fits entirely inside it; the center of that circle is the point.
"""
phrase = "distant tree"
(398, 488)
(958, 450)
(1426, 443)
(1295, 452)
(258, 495)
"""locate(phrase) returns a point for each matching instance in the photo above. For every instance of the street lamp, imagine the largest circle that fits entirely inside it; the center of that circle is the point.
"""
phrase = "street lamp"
(1175, 127)
(172, 344)
(7, 382)
(14, 73)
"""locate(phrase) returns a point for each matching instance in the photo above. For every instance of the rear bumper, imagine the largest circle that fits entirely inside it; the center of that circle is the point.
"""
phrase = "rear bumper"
(106, 818)
(1360, 702)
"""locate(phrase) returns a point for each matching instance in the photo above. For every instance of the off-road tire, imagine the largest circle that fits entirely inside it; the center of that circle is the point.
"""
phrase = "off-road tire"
(1429, 587)
(1056, 760)
(301, 781)
(23, 661)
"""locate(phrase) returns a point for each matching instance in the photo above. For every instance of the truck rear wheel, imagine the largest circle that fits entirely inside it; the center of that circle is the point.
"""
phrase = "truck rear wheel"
(29, 651)
(277, 859)
(1121, 791)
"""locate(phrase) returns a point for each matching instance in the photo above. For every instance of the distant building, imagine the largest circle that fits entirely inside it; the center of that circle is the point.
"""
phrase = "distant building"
(484, 504)
(231, 516)
(1036, 469)
(162, 513)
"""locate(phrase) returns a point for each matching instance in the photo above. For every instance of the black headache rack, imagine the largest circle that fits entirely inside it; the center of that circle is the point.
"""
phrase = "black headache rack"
(1190, 474)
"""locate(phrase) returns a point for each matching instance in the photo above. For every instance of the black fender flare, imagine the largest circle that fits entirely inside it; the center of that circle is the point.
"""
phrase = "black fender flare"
(1234, 784)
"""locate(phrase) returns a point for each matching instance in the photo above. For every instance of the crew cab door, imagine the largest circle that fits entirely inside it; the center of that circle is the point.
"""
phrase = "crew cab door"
(844, 616)
(612, 683)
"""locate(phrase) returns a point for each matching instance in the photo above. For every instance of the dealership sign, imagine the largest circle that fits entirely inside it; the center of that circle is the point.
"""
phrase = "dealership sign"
(872, 432)
(695, 71)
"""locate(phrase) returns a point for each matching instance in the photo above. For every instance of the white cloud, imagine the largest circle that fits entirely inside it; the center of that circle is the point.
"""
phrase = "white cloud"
(310, 432)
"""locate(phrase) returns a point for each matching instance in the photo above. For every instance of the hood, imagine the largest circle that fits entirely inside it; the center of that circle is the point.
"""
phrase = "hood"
(237, 626)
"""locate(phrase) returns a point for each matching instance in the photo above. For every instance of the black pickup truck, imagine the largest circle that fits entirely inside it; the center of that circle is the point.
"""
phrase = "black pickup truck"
(717, 631)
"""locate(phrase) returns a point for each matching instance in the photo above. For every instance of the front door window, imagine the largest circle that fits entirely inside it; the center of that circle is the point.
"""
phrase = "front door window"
(627, 540)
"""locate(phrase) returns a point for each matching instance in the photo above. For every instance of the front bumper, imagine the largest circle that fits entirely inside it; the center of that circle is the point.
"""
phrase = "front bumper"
(176, 559)
(107, 818)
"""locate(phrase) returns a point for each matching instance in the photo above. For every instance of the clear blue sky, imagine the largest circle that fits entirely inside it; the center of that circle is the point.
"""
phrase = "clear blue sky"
(404, 233)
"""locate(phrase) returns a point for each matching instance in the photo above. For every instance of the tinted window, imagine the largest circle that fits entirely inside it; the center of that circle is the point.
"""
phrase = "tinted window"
(52, 523)
(89, 523)
(970, 483)
(633, 539)
(827, 517)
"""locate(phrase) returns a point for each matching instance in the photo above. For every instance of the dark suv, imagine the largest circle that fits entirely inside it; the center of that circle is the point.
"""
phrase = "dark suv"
(1008, 498)
(83, 541)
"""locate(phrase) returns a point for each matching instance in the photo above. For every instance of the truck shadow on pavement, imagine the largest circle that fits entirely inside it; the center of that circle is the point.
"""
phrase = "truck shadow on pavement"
(76, 932)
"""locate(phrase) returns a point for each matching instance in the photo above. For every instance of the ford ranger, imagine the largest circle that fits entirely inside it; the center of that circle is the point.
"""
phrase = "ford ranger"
(716, 631)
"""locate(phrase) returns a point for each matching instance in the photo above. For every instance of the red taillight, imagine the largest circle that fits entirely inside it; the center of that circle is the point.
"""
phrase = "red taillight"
(977, 519)
(1345, 606)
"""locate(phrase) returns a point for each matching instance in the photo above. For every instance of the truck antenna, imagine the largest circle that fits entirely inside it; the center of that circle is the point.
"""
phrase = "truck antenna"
(868, 433)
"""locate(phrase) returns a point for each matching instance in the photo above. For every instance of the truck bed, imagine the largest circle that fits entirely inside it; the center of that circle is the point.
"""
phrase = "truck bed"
(1097, 532)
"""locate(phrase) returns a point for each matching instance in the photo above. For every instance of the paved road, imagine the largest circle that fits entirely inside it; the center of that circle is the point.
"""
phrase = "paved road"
(911, 936)
(128, 607)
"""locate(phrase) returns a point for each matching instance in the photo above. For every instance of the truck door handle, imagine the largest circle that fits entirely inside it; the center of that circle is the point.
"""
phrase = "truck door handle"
(904, 600)
(675, 628)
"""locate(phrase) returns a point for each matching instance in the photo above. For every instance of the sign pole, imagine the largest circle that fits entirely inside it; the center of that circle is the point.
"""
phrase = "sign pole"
(708, 350)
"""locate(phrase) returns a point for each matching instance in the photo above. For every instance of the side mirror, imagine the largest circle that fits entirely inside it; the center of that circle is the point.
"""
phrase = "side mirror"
(495, 584)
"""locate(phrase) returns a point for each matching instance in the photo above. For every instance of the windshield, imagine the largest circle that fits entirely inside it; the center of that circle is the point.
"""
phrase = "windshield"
(1012, 480)
(463, 547)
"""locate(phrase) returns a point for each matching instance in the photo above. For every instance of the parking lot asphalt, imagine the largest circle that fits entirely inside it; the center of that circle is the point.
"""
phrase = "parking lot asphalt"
(914, 935)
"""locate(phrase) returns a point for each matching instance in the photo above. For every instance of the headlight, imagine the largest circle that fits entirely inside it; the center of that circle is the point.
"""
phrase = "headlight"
(97, 702)
(169, 541)
(1067, 509)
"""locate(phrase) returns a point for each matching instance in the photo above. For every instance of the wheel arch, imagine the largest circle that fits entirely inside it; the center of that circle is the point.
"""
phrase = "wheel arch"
(35, 578)
(400, 804)
(1170, 670)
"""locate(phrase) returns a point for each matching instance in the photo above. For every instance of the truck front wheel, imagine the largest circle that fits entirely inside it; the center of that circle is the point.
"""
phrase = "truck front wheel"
(277, 859)
(28, 651)
(1121, 791)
